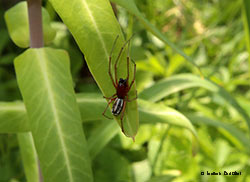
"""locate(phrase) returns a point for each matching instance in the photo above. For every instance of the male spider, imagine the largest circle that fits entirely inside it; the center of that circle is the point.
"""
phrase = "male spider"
(122, 87)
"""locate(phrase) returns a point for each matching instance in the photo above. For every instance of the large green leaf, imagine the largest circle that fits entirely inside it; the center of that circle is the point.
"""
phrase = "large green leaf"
(45, 82)
(16, 19)
(94, 27)
(183, 81)
(29, 156)
(132, 8)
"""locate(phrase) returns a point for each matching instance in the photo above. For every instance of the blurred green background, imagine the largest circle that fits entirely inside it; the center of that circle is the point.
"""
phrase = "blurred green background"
(212, 32)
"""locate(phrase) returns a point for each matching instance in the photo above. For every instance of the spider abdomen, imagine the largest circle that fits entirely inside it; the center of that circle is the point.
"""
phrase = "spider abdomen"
(118, 106)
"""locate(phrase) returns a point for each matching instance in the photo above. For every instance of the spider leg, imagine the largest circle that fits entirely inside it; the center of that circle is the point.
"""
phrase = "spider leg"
(122, 115)
(107, 108)
(132, 82)
(128, 62)
(118, 57)
(110, 57)
(109, 97)
(130, 100)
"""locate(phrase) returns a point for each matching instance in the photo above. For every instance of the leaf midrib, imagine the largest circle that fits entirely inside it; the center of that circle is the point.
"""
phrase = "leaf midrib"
(96, 27)
(51, 97)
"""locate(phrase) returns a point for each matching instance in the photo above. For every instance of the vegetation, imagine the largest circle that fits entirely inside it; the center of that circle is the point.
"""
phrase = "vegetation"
(192, 113)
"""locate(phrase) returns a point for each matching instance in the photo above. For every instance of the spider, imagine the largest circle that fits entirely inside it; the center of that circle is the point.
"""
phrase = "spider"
(122, 86)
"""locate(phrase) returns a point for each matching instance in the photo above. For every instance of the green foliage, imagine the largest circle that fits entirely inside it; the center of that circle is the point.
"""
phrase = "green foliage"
(131, 7)
(29, 156)
(234, 135)
(13, 118)
(177, 83)
(188, 123)
(93, 35)
(16, 19)
(55, 121)
(149, 112)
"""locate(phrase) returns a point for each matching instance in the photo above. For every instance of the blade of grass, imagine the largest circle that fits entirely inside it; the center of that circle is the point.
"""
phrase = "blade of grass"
(180, 82)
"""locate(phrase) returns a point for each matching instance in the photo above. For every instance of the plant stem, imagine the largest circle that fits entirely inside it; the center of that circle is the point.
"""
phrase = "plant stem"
(35, 23)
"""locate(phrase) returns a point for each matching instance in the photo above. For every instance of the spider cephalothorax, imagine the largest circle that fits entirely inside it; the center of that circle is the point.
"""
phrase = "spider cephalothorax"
(122, 87)
(122, 82)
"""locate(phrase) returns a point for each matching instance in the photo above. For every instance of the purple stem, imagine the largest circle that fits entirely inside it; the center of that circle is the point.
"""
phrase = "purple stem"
(35, 23)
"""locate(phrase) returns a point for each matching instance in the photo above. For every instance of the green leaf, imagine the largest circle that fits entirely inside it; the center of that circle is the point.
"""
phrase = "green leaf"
(239, 137)
(29, 156)
(158, 113)
(180, 82)
(110, 165)
(131, 7)
(101, 136)
(45, 82)
(13, 118)
(95, 37)
(174, 84)
(16, 19)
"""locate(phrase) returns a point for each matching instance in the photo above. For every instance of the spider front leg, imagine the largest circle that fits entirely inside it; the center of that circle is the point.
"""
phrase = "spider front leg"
(110, 97)
(110, 75)
(110, 59)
